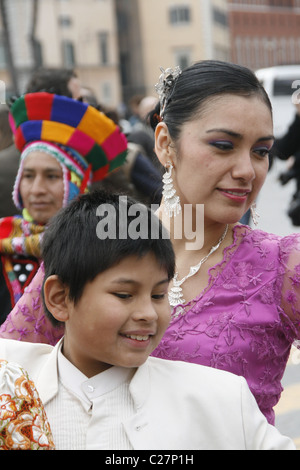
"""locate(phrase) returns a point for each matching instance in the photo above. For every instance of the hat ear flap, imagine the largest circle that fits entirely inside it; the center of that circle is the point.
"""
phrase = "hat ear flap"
(16, 196)
(86, 179)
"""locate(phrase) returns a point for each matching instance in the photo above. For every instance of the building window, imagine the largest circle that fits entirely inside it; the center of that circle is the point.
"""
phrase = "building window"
(282, 3)
(68, 54)
(220, 17)
(106, 93)
(183, 58)
(3, 61)
(37, 53)
(180, 15)
(103, 48)
(64, 21)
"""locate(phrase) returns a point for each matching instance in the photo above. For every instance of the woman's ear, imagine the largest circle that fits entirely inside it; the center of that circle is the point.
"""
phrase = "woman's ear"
(163, 148)
(55, 296)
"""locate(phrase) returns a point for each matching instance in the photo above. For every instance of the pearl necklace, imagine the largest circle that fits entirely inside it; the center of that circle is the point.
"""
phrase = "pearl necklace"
(175, 293)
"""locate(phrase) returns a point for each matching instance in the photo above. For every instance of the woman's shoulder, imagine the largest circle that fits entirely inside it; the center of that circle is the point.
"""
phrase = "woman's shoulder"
(260, 237)
(265, 249)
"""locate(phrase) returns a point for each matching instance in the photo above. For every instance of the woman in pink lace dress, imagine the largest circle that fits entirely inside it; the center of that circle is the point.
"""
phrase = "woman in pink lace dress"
(235, 298)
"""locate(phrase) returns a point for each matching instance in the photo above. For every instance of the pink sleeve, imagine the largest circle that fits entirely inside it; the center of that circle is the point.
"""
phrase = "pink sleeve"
(290, 294)
(27, 321)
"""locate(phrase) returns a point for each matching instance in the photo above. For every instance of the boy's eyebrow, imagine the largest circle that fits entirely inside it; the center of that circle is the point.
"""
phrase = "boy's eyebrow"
(132, 281)
(239, 136)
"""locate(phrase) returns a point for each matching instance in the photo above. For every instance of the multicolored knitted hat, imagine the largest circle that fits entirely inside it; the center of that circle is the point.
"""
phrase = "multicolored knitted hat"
(89, 143)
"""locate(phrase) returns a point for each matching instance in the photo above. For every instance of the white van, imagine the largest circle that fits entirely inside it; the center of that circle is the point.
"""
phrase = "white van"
(282, 84)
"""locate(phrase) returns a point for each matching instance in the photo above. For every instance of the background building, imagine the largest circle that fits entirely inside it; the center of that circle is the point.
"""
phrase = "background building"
(77, 34)
(118, 46)
(264, 33)
(115, 46)
(154, 34)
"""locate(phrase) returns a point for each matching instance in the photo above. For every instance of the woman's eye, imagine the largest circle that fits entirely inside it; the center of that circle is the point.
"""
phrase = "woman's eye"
(262, 152)
(222, 144)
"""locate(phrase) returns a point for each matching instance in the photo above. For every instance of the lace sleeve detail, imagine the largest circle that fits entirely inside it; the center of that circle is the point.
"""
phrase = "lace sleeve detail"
(27, 321)
(289, 266)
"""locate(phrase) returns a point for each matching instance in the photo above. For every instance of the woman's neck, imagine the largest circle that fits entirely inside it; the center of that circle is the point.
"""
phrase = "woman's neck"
(192, 232)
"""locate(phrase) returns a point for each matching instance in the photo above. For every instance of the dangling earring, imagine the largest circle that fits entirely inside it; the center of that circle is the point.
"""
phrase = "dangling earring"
(255, 216)
(171, 200)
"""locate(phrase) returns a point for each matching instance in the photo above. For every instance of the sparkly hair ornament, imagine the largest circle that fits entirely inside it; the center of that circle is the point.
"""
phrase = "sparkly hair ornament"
(165, 86)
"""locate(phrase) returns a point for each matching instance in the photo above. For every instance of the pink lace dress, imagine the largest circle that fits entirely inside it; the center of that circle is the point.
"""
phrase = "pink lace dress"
(27, 320)
(244, 322)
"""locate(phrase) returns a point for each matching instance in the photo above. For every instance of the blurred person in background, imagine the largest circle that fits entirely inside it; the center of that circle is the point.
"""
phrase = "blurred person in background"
(288, 148)
(9, 163)
(134, 103)
(138, 177)
(290, 143)
(59, 81)
(141, 132)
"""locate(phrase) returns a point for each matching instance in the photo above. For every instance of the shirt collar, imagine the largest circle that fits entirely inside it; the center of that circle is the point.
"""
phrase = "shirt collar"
(89, 389)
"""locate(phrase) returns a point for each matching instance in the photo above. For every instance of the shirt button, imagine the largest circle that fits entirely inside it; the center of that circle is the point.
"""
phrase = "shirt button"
(90, 388)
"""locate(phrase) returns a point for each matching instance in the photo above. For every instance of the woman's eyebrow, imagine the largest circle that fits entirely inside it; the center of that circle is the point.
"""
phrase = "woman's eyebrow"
(268, 137)
(239, 136)
(226, 131)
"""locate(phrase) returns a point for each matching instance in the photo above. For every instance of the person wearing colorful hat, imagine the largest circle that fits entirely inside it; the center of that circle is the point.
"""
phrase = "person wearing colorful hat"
(66, 145)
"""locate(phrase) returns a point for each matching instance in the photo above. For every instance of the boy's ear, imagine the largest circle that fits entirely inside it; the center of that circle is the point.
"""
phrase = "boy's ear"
(163, 141)
(55, 296)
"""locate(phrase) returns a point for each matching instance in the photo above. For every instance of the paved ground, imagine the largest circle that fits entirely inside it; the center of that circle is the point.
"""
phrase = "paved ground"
(272, 205)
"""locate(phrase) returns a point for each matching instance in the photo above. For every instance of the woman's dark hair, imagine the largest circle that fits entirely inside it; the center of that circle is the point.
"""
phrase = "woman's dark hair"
(95, 232)
(200, 82)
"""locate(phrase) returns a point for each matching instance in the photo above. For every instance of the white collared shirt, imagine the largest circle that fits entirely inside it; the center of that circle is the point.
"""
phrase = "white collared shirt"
(88, 413)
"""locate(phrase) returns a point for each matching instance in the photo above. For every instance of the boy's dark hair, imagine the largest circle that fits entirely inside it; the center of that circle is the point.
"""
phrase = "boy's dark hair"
(73, 251)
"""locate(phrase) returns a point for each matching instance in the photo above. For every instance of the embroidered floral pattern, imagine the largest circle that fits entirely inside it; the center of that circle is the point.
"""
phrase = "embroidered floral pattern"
(247, 318)
(27, 321)
(23, 422)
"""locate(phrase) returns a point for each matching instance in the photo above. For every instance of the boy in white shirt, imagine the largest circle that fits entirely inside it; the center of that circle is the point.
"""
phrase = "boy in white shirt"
(99, 387)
